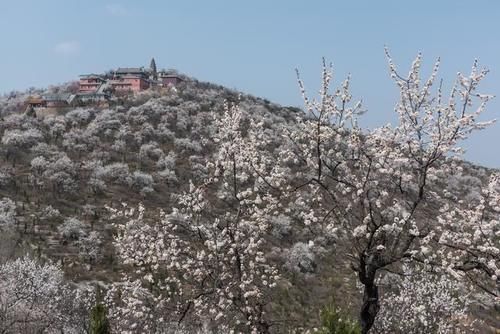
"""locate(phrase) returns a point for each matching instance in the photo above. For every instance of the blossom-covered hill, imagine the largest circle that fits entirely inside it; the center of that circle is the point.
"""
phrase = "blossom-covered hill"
(61, 172)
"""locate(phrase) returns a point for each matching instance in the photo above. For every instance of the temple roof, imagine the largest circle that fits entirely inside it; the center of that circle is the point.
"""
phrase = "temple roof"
(56, 97)
(34, 100)
(92, 76)
(130, 70)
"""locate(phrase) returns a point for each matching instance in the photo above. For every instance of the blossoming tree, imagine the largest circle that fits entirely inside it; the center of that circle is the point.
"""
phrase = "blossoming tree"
(35, 297)
(374, 192)
(205, 260)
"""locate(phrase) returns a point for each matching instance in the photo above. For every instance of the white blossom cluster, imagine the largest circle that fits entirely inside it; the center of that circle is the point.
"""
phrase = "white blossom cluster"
(35, 298)
(470, 235)
(425, 302)
(7, 213)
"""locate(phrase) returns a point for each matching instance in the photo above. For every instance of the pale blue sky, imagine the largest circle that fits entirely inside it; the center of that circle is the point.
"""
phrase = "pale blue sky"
(254, 46)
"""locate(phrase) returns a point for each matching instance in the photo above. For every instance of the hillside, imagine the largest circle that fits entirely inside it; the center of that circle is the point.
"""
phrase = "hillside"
(59, 171)
(70, 164)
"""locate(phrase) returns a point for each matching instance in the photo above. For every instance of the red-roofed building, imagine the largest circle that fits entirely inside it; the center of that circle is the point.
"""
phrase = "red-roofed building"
(129, 82)
(127, 79)
(168, 79)
(90, 83)
(133, 79)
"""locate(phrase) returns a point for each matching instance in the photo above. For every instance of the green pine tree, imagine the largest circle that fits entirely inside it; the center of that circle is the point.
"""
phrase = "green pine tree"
(152, 66)
(335, 321)
(99, 323)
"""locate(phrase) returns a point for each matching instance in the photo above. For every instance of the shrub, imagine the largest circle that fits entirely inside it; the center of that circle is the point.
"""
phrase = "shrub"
(301, 258)
(72, 229)
(99, 323)
(335, 321)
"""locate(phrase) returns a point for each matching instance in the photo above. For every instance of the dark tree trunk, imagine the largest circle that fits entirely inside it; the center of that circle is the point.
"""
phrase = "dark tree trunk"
(370, 307)
(263, 328)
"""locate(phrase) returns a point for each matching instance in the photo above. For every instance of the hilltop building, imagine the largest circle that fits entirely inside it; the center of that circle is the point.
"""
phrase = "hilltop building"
(98, 89)
(90, 82)
(128, 79)
(165, 79)
(82, 99)
(35, 102)
(57, 100)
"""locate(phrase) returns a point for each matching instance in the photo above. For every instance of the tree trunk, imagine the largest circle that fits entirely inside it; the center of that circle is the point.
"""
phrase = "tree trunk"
(370, 306)
(367, 271)
(263, 328)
